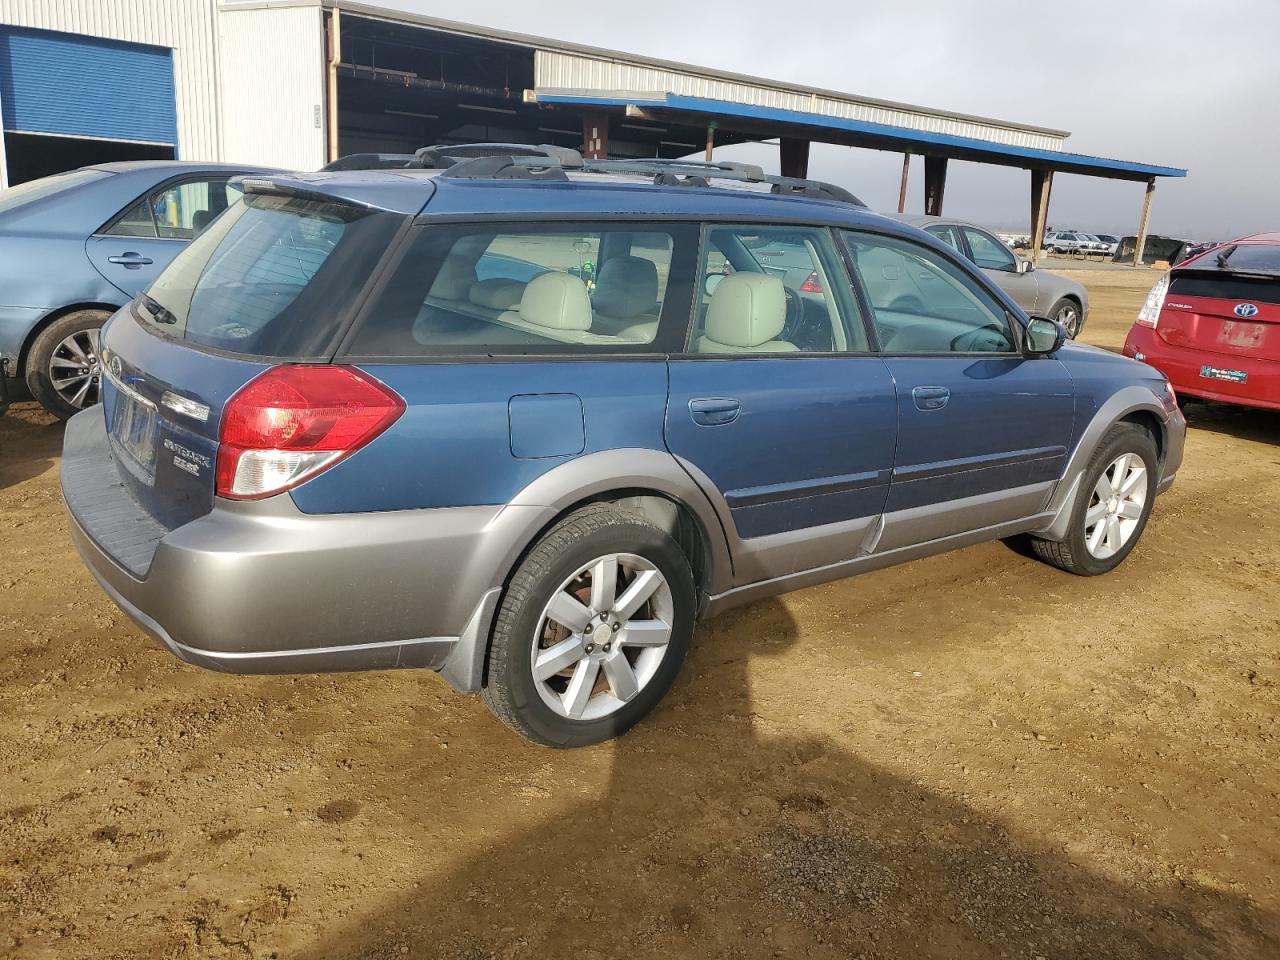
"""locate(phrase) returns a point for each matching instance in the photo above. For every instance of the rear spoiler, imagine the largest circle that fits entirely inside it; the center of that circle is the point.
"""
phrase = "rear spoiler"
(375, 193)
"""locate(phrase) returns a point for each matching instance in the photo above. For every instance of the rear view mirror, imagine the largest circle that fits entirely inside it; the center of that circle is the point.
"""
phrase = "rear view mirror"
(1044, 337)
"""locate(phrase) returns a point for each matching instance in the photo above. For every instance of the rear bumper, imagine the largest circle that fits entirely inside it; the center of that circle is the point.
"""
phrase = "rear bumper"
(1182, 365)
(262, 588)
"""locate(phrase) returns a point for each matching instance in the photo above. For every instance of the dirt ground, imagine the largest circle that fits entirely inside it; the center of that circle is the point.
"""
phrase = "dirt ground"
(971, 756)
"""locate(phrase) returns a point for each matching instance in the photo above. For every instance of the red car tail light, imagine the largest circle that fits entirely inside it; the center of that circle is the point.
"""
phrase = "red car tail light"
(1149, 315)
(811, 284)
(295, 421)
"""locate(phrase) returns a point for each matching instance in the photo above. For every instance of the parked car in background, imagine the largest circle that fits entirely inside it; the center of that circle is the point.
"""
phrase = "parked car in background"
(76, 246)
(1212, 324)
(1035, 290)
(1070, 242)
(1110, 243)
(537, 485)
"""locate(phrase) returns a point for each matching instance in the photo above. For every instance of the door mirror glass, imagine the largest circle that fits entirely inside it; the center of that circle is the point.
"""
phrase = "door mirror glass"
(1045, 337)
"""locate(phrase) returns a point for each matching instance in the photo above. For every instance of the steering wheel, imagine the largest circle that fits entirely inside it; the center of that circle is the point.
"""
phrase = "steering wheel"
(795, 316)
(991, 338)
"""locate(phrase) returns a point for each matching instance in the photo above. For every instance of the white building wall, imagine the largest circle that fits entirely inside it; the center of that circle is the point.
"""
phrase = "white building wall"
(273, 86)
(185, 26)
(556, 70)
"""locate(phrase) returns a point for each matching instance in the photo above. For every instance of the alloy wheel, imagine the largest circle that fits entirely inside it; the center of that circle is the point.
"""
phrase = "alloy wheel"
(1069, 317)
(75, 369)
(1116, 506)
(602, 636)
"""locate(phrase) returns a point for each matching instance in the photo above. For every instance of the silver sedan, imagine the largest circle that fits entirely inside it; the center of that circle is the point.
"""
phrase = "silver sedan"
(1038, 292)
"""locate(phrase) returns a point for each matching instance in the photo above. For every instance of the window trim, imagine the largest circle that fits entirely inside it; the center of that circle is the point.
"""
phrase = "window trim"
(967, 267)
(399, 249)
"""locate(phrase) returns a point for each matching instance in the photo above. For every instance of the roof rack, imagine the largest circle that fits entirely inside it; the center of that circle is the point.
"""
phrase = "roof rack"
(547, 162)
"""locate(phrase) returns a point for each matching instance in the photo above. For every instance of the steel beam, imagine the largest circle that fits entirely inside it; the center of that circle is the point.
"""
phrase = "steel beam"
(1041, 187)
(1143, 222)
(595, 135)
(935, 184)
(793, 157)
(902, 190)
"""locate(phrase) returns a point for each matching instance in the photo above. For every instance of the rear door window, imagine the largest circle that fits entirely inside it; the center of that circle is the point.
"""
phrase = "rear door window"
(178, 211)
(529, 288)
(275, 277)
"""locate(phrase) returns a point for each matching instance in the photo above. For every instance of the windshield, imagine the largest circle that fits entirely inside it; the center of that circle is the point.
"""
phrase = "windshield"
(272, 277)
(34, 190)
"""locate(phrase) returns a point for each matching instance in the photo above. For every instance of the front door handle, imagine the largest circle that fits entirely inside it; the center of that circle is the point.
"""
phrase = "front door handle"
(930, 398)
(714, 411)
(131, 260)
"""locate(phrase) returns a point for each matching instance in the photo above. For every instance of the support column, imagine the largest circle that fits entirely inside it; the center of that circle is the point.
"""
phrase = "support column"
(793, 157)
(935, 183)
(595, 136)
(1142, 224)
(711, 140)
(334, 44)
(902, 191)
(1041, 187)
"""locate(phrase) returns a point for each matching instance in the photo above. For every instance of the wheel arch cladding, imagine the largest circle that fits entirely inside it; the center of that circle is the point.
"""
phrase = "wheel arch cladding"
(1153, 425)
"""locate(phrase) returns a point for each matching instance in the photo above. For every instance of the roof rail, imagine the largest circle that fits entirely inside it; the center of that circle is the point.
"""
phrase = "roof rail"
(446, 156)
(546, 162)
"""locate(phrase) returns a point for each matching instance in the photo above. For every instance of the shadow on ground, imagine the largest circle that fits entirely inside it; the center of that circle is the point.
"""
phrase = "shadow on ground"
(30, 440)
(1244, 423)
(812, 853)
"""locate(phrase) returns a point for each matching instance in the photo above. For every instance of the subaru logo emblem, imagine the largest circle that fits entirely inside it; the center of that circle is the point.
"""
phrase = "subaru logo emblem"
(1246, 310)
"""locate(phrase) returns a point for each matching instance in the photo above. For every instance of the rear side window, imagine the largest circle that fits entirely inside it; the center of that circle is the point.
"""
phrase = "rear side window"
(533, 288)
(275, 277)
(177, 212)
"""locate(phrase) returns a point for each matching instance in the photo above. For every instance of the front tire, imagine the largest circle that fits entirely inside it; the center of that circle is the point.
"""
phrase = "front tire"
(592, 629)
(64, 367)
(1116, 496)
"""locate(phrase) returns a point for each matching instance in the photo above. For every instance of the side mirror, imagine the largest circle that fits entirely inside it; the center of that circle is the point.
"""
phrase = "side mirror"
(1025, 266)
(1044, 337)
(710, 282)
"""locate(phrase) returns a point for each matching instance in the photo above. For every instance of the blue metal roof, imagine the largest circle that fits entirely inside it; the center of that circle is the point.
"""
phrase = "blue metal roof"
(940, 142)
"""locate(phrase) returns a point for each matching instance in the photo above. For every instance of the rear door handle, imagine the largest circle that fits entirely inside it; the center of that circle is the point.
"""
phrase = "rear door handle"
(713, 411)
(930, 398)
(131, 260)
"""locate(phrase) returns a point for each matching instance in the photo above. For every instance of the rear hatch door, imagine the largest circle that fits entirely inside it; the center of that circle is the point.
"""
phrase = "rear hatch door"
(1225, 310)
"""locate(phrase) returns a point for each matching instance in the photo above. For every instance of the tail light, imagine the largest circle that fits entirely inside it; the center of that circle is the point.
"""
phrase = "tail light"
(295, 421)
(1149, 315)
(811, 284)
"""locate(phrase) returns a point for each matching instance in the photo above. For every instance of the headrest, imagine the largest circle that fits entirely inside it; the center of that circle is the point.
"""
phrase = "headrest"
(556, 300)
(496, 293)
(746, 310)
(454, 281)
(200, 219)
(626, 287)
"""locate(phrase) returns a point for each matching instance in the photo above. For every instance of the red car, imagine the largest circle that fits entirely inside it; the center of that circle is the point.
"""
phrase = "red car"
(1212, 324)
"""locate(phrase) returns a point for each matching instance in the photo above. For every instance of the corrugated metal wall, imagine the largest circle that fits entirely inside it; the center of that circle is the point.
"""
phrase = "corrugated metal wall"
(185, 26)
(554, 69)
(273, 79)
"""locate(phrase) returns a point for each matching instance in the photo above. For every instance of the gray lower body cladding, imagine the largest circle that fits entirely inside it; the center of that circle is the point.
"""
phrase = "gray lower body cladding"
(263, 588)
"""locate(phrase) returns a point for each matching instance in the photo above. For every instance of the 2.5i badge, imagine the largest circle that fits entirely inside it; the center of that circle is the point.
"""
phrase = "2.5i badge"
(1220, 373)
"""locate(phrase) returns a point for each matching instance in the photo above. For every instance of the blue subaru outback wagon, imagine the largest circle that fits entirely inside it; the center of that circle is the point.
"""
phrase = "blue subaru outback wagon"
(523, 420)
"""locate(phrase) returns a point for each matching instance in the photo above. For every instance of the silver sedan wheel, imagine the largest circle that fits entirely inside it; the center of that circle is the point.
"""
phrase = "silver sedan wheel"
(1115, 508)
(602, 636)
(75, 369)
(1069, 317)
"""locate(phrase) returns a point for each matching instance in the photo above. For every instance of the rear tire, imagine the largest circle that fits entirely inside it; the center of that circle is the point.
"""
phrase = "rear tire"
(617, 680)
(64, 370)
(1067, 312)
(1105, 529)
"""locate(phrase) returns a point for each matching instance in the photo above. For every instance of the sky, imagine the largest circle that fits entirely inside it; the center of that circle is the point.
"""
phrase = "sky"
(1176, 83)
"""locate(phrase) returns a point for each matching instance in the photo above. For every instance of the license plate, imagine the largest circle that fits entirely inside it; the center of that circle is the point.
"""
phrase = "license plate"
(1221, 373)
(133, 428)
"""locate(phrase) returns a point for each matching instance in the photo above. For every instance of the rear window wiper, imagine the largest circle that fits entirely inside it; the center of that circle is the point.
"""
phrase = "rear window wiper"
(158, 312)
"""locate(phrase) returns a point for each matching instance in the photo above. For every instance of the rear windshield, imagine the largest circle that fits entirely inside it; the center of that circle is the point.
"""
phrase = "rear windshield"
(273, 277)
(34, 190)
(1242, 258)
(529, 288)
(1222, 285)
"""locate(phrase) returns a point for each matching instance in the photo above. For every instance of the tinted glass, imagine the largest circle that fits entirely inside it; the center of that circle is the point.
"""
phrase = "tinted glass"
(1243, 258)
(184, 209)
(1224, 285)
(948, 235)
(923, 303)
(532, 288)
(990, 253)
(802, 301)
(136, 222)
(275, 277)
